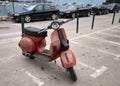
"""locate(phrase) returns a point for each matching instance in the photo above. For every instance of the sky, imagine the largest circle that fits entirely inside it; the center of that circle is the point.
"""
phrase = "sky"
(79, 1)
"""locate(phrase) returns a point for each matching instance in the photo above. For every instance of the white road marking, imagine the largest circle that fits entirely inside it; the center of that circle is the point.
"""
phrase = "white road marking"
(99, 72)
(114, 30)
(115, 43)
(96, 49)
(87, 66)
(35, 79)
(17, 38)
(110, 34)
(116, 57)
(81, 36)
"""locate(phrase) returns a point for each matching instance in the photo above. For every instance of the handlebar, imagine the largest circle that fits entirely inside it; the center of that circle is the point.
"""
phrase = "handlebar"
(59, 22)
(56, 21)
(68, 20)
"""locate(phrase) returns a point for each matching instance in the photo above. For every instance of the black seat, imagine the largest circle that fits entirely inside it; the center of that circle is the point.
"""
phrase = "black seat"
(33, 31)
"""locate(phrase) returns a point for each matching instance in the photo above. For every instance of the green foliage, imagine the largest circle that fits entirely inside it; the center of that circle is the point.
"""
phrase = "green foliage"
(112, 1)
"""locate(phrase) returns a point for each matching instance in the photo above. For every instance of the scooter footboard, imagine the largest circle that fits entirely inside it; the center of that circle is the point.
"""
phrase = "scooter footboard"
(67, 59)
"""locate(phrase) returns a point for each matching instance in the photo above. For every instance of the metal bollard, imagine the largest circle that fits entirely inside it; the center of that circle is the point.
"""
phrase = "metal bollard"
(113, 17)
(77, 27)
(93, 21)
(119, 20)
(22, 24)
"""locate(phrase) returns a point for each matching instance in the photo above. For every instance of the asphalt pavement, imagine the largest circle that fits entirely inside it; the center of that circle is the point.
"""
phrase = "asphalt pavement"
(97, 52)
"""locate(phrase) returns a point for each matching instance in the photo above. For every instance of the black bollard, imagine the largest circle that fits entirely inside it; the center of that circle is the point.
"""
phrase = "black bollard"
(93, 21)
(77, 15)
(22, 24)
(113, 17)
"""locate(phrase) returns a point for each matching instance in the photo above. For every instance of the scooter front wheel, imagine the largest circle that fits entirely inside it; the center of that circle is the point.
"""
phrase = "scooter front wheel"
(72, 74)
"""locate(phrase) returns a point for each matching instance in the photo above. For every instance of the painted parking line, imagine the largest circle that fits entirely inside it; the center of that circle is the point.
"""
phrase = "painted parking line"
(115, 30)
(35, 79)
(104, 40)
(110, 34)
(117, 57)
(3, 41)
(87, 66)
(97, 72)
(81, 36)
(114, 43)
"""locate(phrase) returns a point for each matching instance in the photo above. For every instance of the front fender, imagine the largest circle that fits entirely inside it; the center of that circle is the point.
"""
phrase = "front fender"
(67, 59)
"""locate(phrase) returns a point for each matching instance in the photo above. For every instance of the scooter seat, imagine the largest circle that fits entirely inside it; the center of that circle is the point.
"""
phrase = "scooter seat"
(33, 31)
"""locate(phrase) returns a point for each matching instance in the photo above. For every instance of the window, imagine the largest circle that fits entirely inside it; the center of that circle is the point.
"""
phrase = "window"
(39, 8)
(47, 7)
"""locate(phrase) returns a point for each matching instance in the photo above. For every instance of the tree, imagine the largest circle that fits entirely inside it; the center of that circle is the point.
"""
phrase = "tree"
(112, 1)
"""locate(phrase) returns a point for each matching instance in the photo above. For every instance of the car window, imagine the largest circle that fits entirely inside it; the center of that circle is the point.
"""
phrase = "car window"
(71, 8)
(39, 8)
(30, 7)
(47, 7)
(62, 8)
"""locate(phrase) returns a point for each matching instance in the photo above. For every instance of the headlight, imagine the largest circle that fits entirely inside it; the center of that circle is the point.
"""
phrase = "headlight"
(55, 25)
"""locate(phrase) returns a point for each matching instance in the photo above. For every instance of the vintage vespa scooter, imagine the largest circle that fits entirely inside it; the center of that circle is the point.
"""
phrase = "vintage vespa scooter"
(33, 42)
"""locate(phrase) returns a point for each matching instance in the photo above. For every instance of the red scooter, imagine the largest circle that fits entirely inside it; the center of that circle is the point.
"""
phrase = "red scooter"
(33, 42)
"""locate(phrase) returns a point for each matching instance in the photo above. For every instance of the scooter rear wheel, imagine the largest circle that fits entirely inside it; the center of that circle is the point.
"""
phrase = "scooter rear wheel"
(72, 74)
(31, 57)
(28, 55)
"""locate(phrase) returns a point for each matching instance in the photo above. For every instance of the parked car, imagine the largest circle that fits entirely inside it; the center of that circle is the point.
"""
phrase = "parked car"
(70, 11)
(98, 10)
(113, 7)
(36, 12)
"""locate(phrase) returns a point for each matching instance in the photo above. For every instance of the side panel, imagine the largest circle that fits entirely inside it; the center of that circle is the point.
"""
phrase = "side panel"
(32, 44)
(55, 45)
(26, 44)
(68, 59)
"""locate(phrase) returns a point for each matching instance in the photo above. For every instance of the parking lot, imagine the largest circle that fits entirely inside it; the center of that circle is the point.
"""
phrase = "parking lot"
(97, 52)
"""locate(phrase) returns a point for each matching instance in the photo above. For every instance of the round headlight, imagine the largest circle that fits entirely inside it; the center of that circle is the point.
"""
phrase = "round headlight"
(55, 25)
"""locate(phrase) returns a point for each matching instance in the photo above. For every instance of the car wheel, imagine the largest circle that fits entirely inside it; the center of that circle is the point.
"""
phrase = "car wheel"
(54, 17)
(100, 13)
(73, 15)
(107, 12)
(27, 18)
(88, 14)
(117, 11)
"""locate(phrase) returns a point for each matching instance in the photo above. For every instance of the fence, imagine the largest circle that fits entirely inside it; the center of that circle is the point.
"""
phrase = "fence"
(8, 8)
